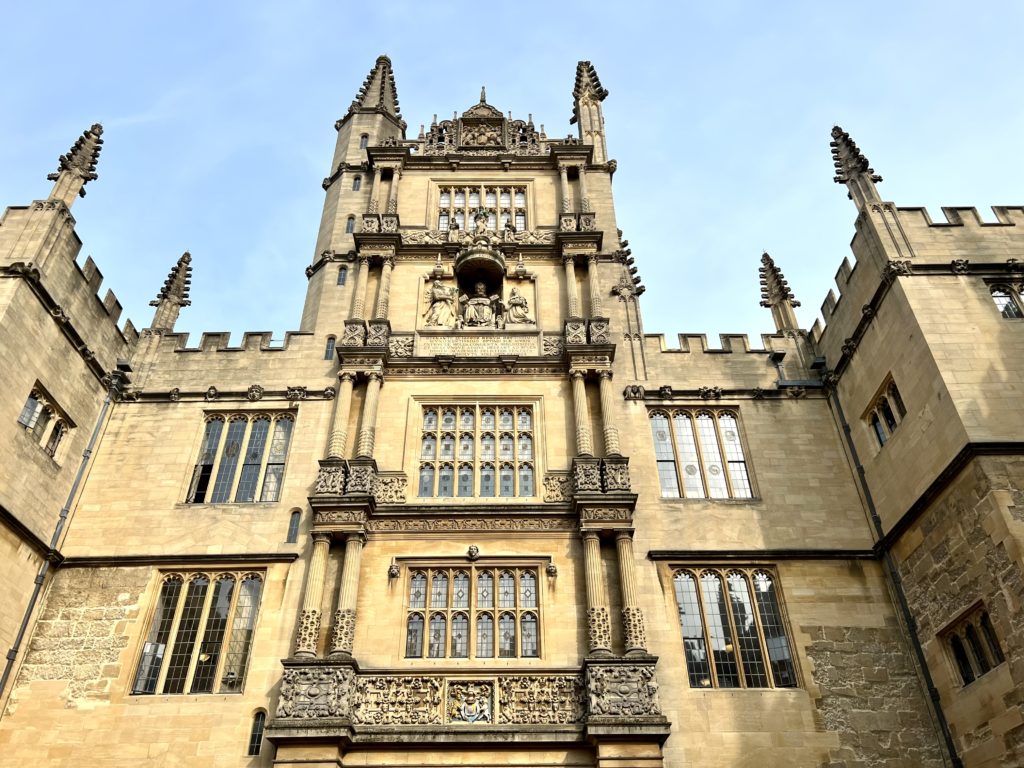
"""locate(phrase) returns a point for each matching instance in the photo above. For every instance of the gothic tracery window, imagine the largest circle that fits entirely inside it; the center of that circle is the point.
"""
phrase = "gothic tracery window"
(241, 458)
(1008, 301)
(44, 421)
(699, 454)
(972, 645)
(886, 413)
(458, 205)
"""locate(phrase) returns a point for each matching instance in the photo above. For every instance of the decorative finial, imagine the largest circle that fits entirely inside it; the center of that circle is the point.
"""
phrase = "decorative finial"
(173, 295)
(78, 167)
(378, 92)
(776, 294)
(483, 94)
(848, 159)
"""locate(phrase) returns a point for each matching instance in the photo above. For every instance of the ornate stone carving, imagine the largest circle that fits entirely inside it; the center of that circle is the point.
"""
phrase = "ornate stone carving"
(599, 629)
(758, 393)
(339, 516)
(551, 570)
(470, 701)
(389, 221)
(330, 481)
(175, 395)
(797, 393)
(316, 692)
(442, 308)
(211, 394)
(330, 393)
(567, 222)
(624, 289)
(665, 391)
(424, 237)
(586, 475)
(553, 346)
(295, 393)
(394, 571)
(309, 632)
(709, 393)
(371, 223)
(59, 314)
(517, 309)
(605, 513)
(400, 346)
(378, 334)
(390, 489)
(849, 346)
(588, 222)
(616, 475)
(557, 487)
(960, 266)
(633, 392)
(392, 700)
(471, 524)
(575, 332)
(897, 268)
(622, 690)
(600, 331)
(532, 700)
(354, 334)
(361, 479)
(633, 628)
(344, 630)
(255, 392)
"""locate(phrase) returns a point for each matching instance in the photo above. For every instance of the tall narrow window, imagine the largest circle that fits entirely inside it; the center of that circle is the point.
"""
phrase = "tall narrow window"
(256, 733)
(253, 460)
(962, 662)
(350, 225)
(437, 636)
(357, 182)
(30, 411)
(973, 645)
(329, 348)
(56, 435)
(294, 520)
(1007, 301)
(42, 420)
(275, 461)
(880, 434)
(507, 636)
(887, 415)
(700, 454)
(990, 639)
(342, 275)
(364, 140)
(229, 460)
(213, 635)
(153, 650)
(694, 645)
(414, 636)
(460, 636)
(204, 467)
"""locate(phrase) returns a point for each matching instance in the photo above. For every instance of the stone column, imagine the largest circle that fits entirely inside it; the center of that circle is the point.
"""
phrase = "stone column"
(362, 280)
(598, 624)
(338, 442)
(584, 196)
(632, 617)
(584, 438)
(611, 432)
(563, 172)
(309, 619)
(393, 191)
(375, 192)
(345, 616)
(368, 428)
(570, 285)
(595, 289)
(384, 289)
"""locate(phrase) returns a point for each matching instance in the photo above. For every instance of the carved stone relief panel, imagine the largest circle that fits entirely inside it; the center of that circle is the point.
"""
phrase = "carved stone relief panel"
(470, 701)
(393, 700)
(528, 700)
(622, 690)
(316, 692)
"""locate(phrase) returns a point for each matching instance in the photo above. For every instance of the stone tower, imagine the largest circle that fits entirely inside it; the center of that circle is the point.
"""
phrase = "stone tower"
(470, 514)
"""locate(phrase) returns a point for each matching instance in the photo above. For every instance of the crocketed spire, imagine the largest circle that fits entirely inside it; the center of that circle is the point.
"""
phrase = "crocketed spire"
(852, 168)
(174, 295)
(587, 83)
(776, 294)
(378, 92)
(78, 166)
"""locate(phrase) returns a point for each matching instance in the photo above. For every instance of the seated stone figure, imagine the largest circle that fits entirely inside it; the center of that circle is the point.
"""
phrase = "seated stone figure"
(518, 308)
(481, 310)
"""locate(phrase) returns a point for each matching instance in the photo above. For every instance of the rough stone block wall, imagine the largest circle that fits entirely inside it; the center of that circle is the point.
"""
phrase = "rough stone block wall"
(871, 696)
(965, 549)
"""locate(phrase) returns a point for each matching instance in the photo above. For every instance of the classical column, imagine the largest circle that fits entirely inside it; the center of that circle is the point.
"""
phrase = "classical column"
(339, 427)
(584, 438)
(345, 616)
(384, 289)
(611, 432)
(570, 285)
(584, 197)
(563, 172)
(599, 630)
(393, 191)
(595, 289)
(374, 205)
(632, 617)
(368, 428)
(309, 619)
(362, 280)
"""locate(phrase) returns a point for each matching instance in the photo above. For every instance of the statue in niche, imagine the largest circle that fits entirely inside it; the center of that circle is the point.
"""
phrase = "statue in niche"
(481, 310)
(518, 308)
(441, 312)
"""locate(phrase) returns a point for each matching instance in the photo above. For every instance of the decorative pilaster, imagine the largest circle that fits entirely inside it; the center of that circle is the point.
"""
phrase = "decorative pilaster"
(584, 438)
(374, 205)
(393, 191)
(570, 286)
(338, 442)
(362, 283)
(384, 289)
(611, 432)
(345, 616)
(563, 175)
(584, 196)
(598, 624)
(595, 289)
(309, 619)
(632, 615)
(368, 428)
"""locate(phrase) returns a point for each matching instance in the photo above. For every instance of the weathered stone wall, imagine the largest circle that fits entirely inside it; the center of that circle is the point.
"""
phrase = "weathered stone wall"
(871, 696)
(967, 548)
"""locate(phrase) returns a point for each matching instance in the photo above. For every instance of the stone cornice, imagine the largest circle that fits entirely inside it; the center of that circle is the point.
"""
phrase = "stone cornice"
(182, 560)
(25, 534)
(710, 556)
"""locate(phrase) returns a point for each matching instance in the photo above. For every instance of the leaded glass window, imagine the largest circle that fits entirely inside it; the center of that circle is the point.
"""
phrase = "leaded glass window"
(699, 454)
(241, 458)
(500, 203)
(973, 645)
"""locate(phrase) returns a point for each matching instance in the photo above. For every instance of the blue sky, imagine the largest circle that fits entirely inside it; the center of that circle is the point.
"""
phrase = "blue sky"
(219, 128)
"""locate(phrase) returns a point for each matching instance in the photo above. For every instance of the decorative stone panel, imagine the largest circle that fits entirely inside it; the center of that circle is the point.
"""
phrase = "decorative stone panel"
(529, 699)
(622, 690)
(354, 334)
(470, 701)
(309, 693)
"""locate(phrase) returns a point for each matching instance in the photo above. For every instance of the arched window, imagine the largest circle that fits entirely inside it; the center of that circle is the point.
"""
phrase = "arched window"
(293, 526)
(364, 140)
(342, 275)
(505, 444)
(204, 465)
(465, 479)
(43, 419)
(428, 449)
(506, 480)
(962, 662)
(719, 630)
(448, 418)
(525, 447)
(887, 415)
(437, 636)
(897, 401)
(487, 446)
(329, 348)
(439, 590)
(446, 481)
(990, 639)
(749, 644)
(525, 480)
(466, 445)
(418, 590)
(430, 420)
(357, 182)
(30, 411)
(485, 590)
(507, 590)
(876, 425)
(426, 488)
(447, 446)
(663, 454)
(527, 590)
(56, 435)
(507, 636)
(487, 480)
(350, 225)
(976, 650)
(460, 590)
(484, 636)
(414, 636)
(1007, 301)
(529, 638)
(695, 649)
(259, 720)
(460, 636)
(780, 657)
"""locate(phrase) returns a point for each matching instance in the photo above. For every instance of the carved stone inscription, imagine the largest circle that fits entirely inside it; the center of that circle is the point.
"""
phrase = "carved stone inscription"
(478, 345)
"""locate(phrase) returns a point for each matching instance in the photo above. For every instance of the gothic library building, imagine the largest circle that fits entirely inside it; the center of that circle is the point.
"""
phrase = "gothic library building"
(470, 514)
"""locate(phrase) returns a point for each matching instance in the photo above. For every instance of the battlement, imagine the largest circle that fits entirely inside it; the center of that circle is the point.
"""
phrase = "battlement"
(252, 341)
(697, 343)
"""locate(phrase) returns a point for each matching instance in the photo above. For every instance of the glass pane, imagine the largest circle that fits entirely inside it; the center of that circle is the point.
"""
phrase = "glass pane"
(484, 636)
(487, 480)
(507, 590)
(531, 647)
(487, 447)
(525, 480)
(437, 636)
(460, 590)
(876, 425)
(256, 734)
(428, 448)
(976, 650)
(466, 419)
(1008, 308)
(506, 199)
(527, 590)
(752, 657)
(686, 442)
(446, 481)
(184, 642)
(448, 419)
(159, 634)
(426, 481)
(897, 401)
(697, 666)
(253, 458)
(505, 446)
(506, 481)
(887, 414)
(229, 461)
(722, 649)
(665, 458)
(490, 198)
(734, 456)
(505, 418)
(204, 467)
(717, 487)
(525, 447)
(418, 590)
(460, 220)
(474, 198)
(991, 639)
(466, 446)
(525, 419)
(439, 591)
(447, 446)
(507, 636)
(460, 636)
(487, 419)
(465, 480)
(429, 420)
(414, 637)
(962, 662)
(242, 630)
(446, 199)
(520, 199)
(775, 641)
(484, 590)
(443, 222)
(213, 635)
(520, 221)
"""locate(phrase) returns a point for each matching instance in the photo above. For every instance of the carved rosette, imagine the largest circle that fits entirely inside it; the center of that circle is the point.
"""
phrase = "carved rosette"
(529, 700)
(330, 481)
(622, 690)
(316, 692)
(309, 632)
(344, 630)
(633, 627)
(599, 629)
(392, 700)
